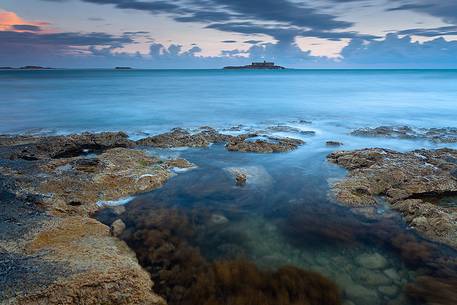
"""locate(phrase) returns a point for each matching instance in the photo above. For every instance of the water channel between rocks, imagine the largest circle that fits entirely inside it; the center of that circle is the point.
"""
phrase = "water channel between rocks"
(283, 216)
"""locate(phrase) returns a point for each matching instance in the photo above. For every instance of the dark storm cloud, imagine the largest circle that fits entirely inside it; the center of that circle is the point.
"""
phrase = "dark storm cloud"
(445, 9)
(286, 17)
(286, 11)
(63, 39)
(26, 27)
(409, 7)
(284, 34)
(205, 16)
(283, 11)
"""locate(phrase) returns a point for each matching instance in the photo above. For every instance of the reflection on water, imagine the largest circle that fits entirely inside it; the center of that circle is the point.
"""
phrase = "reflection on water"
(282, 217)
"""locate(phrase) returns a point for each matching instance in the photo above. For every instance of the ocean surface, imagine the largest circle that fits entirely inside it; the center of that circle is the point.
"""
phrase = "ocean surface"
(284, 215)
(64, 101)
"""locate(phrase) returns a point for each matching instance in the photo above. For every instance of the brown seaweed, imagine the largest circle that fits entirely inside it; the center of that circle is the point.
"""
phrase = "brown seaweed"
(162, 240)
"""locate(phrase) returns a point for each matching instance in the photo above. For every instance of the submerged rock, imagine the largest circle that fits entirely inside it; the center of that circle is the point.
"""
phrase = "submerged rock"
(333, 143)
(240, 179)
(218, 219)
(361, 295)
(413, 183)
(290, 129)
(164, 240)
(251, 175)
(117, 227)
(404, 132)
(371, 261)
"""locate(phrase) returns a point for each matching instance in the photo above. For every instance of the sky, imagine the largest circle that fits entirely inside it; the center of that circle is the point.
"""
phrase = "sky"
(215, 33)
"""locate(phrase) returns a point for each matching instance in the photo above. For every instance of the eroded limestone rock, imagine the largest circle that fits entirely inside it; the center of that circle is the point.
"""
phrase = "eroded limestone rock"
(262, 144)
(248, 142)
(51, 251)
(414, 183)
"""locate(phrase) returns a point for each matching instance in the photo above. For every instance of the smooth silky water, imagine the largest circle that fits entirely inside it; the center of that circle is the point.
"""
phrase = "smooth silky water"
(284, 215)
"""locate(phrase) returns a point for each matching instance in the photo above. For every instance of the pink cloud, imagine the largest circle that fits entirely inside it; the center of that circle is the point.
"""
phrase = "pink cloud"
(10, 21)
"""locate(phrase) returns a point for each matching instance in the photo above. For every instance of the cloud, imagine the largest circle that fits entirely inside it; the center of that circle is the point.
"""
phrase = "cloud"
(283, 11)
(282, 19)
(10, 21)
(252, 41)
(205, 16)
(26, 27)
(101, 50)
(395, 51)
(409, 7)
(95, 19)
(446, 9)
(63, 39)
(431, 32)
(285, 34)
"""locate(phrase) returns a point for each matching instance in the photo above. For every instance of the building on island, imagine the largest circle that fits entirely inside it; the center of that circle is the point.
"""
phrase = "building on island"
(256, 66)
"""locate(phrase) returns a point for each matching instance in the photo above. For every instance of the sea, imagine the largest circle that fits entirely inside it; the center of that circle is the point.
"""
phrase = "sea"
(285, 214)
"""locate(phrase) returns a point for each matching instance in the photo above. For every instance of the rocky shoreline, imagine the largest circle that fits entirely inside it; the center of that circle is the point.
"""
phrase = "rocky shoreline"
(53, 252)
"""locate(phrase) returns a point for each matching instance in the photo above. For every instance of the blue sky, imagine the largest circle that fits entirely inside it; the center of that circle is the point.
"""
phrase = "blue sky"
(214, 33)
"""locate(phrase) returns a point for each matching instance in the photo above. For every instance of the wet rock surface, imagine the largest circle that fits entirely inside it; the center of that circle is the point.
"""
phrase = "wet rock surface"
(286, 128)
(413, 183)
(256, 142)
(179, 137)
(39, 148)
(263, 144)
(437, 135)
(241, 179)
(333, 143)
(52, 252)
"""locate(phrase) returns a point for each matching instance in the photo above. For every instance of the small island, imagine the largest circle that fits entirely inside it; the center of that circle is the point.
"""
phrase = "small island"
(122, 68)
(26, 68)
(34, 68)
(256, 66)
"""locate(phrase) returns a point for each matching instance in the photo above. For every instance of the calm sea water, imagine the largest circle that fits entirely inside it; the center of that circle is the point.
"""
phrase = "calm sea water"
(154, 100)
(283, 215)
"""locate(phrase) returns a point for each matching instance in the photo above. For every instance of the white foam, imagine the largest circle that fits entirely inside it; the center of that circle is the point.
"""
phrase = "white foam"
(113, 203)
(179, 170)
